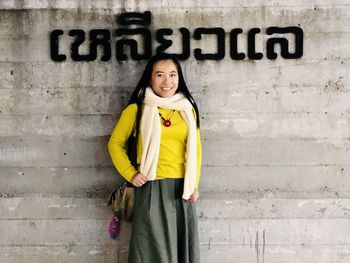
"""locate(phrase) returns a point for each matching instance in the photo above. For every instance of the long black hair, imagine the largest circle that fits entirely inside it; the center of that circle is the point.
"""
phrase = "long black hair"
(138, 94)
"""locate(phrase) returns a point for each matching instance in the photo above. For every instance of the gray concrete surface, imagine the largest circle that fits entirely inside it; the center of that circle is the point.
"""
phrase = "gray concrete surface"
(275, 182)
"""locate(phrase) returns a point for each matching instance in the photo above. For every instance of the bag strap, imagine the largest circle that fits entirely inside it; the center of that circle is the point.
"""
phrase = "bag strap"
(137, 128)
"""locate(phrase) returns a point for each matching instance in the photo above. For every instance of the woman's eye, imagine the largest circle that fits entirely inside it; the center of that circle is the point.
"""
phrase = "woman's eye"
(159, 75)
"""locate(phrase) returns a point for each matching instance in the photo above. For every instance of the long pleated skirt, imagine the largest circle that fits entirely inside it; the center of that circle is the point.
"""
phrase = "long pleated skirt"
(165, 226)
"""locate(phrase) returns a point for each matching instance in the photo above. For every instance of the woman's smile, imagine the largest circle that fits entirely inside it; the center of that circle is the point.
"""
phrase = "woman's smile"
(164, 79)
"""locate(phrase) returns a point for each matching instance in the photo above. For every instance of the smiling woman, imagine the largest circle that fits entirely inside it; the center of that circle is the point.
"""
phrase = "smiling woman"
(169, 156)
(165, 79)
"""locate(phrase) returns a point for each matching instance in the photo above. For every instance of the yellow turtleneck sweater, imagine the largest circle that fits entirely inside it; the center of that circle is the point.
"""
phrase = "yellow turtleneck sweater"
(172, 161)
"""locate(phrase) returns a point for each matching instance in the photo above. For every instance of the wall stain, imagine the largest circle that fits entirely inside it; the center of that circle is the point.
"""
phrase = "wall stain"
(264, 246)
(258, 257)
(257, 246)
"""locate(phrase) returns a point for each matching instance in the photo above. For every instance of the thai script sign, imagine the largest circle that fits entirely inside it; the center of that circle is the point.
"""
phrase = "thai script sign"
(134, 24)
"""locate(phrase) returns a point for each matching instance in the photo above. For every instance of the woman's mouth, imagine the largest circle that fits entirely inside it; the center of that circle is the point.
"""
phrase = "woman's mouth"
(166, 89)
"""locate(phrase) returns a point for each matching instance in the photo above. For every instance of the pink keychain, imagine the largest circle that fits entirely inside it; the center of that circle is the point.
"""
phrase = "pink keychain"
(114, 227)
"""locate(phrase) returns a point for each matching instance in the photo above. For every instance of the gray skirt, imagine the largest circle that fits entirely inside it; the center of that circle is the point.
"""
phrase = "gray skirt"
(165, 226)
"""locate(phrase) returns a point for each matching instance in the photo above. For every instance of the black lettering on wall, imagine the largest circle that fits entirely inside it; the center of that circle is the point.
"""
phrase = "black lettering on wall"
(129, 36)
(220, 33)
(166, 43)
(100, 37)
(252, 54)
(79, 39)
(54, 46)
(284, 44)
(234, 44)
(126, 19)
(134, 18)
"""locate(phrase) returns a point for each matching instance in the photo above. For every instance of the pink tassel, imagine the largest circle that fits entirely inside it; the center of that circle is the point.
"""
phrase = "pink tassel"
(114, 227)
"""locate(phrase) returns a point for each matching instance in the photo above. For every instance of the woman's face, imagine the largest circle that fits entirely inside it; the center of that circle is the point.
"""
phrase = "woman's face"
(165, 78)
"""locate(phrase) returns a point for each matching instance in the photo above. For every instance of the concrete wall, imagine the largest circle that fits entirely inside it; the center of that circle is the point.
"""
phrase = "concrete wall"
(275, 177)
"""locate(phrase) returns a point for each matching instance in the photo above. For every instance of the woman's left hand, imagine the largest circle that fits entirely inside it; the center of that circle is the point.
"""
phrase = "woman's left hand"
(194, 196)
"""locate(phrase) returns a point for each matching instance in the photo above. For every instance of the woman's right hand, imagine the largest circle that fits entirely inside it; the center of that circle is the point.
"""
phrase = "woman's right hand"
(138, 180)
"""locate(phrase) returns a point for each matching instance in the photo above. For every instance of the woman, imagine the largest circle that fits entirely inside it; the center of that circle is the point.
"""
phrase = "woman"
(169, 156)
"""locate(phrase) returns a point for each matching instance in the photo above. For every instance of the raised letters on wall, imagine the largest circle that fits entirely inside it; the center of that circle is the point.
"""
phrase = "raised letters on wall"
(102, 38)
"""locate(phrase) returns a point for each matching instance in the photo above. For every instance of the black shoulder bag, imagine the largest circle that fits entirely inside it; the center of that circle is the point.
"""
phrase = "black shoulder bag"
(122, 198)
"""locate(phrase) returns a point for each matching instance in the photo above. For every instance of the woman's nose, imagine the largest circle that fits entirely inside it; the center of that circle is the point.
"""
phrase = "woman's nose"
(166, 79)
